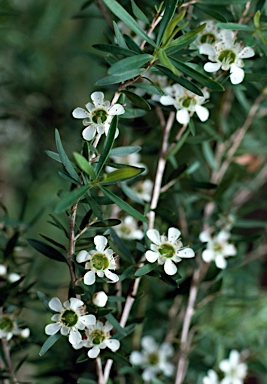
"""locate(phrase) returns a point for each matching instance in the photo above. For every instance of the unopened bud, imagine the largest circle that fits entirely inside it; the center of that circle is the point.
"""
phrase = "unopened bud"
(13, 277)
(100, 299)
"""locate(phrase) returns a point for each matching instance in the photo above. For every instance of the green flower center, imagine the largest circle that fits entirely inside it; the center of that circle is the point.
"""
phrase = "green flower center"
(217, 247)
(227, 56)
(98, 336)
(167, 250)
(100, 261)
(99, 114)
(153, 358)
(188, 102)
(125, 229)
(69, 318)
(6, 324)
(208, 38)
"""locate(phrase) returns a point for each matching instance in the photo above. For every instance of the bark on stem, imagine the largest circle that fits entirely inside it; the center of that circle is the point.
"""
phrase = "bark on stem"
(10, 369)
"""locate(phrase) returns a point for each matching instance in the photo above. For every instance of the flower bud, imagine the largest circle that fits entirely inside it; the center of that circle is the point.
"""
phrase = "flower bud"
(13, 277)
(100, 299)
(2, 270)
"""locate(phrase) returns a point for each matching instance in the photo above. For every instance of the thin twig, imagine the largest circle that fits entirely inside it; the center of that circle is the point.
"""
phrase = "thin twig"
(99, 371)
(72, 241)
(5, 348)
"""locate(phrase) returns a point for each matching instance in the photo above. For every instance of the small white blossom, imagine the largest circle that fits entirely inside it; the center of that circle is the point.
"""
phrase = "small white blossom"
(97, 338)
(235, 372)
(154, 358)
(143, 189)
(227, 55)
(167, 250)
(128, 229)
(98, 261)
(9, 328)
(69, 319)
(211, 378)
(98, 116)
(218, 248)
(211, 34)
(100, 299)
(186, 103)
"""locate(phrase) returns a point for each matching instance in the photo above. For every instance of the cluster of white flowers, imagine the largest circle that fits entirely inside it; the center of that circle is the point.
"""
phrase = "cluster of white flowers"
(9, 328)
(185, 102)
(218, 248)
(233, 369)
(167, 250)
(153, 359)
(223, 52)
(12, 277)
(71, 320)
(98, 115)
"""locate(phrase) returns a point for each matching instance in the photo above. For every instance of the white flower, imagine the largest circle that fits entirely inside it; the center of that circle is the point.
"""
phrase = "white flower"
(212, 378)
(98, 337)
(100, 299)
(227, 55)
(132, 159)
(69, 319)
(143, 189)
(128, 229)
(98, 115)
(99, 261)
(167, 250)
(218, 248)
(211, 34)
(185, 102)
(154, 359)
(235, 371)
(9, 327)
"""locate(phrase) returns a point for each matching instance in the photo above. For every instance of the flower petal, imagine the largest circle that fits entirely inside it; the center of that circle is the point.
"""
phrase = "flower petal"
(89, 278)
(100, 242)
(202, 112)
(207, 49)
(112, 276)
(94, 352)
(208, 255)
(55, 304)
(167, 100)
(75, 303)
(204, 237)
(97, 98)
(182, 116)
(149, 344)
(136, 358)
(212, 67)
(75, 336)
(169, 267)
(246, 53)
(237, 74)
(51, 329)
(80, 113)
(220, 262)
(113, 344)
(89, 132)
(223, 236)
(151, 256)
(153, 235)
(229, 250)
(186, 253)
(82, 256)
(116, 109)
(173, 234)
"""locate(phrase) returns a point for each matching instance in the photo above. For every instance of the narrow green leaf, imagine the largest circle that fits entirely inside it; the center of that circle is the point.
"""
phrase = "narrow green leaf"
(129, 64)
(123, 205)
(108, 144)
(235, 26)
(117, 357)
(181, 80)
(172, 30)
(44, 299)
(188, 37)
(49, 343)
(128, 329)
(165, 61)
(170, 8)
(137, 100)
(53, 242)
(123, 15)
(132, 45)
(129, 192)
(83, 380)
(178, 145)
(132, 113)
(12, 242)
(256, 19)
(115, 79)
(121, 175)
(222, 2)
(122, 248)
(153, 88)
(53, 155)
(114, 49)
(138, 13)
(46, 250)
(64, 158)
(106, 224)
(145, 269)
(85, 166)
(119, 36)
(196, 75)
(94, 206)
(71, 198)
(209, 155)
(66, 176)
(125, 151)
(111, 319)
(127, 272)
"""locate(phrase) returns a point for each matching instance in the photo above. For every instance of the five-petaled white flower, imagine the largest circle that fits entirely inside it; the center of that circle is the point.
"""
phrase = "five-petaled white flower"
(167, 250)
(186, 103)
(218, 248)
(97, 338)
(99, 261)
(9, 328)
(211, 378)
(234, 371)
(227, 55)
(128, 229)
(143, 189)
(98, 116)
(69, 320)
(154, 359)
(211, 34)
